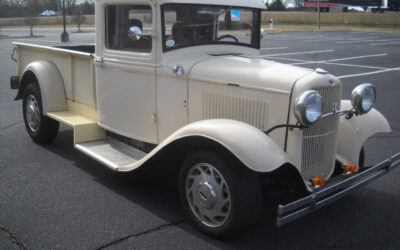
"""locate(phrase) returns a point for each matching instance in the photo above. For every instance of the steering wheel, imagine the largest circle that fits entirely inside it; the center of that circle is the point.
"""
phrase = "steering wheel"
(228, 36)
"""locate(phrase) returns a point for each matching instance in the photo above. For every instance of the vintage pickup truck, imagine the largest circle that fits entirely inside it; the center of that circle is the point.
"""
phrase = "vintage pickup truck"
(183, 81)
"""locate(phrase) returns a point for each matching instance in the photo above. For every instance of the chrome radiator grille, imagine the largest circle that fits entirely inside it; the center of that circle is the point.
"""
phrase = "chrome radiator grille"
(320, 140)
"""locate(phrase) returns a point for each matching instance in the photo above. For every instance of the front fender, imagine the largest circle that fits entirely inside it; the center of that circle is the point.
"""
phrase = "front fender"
(50, 82)
(251, 146)
(355, 131)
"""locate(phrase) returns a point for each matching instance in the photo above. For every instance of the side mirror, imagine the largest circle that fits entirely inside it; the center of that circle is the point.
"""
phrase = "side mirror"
(135, 33)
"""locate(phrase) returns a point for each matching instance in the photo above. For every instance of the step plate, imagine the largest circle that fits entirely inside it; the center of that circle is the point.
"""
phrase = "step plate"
(111, 152)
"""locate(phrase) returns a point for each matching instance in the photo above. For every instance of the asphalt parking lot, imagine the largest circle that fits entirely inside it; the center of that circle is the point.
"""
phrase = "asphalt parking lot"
(54, 197)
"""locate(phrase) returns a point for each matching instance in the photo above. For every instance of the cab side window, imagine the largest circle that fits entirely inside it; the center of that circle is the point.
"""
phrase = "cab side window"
(121, 20)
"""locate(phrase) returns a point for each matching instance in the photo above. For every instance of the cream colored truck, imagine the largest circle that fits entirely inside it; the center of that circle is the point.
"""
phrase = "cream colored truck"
(183, 81)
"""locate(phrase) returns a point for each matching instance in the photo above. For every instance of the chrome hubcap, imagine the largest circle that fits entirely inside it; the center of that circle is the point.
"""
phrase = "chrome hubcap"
(208, 195)
(32, 112)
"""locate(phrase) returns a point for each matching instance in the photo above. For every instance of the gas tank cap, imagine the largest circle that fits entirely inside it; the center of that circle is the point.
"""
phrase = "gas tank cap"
(321, 71)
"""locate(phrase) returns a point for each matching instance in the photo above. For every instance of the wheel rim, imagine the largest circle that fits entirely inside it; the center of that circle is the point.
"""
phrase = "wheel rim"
(32, 111)
(208, 195)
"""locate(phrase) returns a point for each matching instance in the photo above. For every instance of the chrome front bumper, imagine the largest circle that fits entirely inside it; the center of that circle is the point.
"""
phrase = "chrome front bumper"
(331, 193)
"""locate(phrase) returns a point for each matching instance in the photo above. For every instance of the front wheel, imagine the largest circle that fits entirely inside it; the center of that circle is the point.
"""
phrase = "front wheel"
(221, 196)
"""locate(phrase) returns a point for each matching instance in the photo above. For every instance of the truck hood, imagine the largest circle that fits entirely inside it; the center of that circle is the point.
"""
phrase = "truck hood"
(256, 73)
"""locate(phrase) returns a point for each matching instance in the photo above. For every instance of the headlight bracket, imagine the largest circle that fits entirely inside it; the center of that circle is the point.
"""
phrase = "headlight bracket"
(290, 126)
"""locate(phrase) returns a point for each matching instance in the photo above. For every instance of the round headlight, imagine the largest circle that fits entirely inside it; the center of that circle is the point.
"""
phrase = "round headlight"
(363, 98)
(308, 108)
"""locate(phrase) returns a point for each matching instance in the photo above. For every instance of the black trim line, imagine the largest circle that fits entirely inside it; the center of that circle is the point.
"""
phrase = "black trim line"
(289, 108)
(288, 115)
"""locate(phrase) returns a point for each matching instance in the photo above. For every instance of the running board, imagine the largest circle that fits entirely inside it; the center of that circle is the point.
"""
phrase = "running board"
(110, 152)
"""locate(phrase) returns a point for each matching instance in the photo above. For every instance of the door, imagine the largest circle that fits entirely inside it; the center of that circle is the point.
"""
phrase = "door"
(125, 71)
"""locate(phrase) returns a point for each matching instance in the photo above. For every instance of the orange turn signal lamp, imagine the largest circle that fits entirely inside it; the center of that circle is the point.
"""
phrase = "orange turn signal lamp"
(350, 168)
(318, 181)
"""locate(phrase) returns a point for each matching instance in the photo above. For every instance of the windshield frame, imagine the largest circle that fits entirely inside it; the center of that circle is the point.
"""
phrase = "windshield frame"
(256, 30)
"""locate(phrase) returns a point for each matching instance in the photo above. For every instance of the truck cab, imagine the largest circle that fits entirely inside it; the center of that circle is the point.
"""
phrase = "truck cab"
(182, 81)
(149, 42)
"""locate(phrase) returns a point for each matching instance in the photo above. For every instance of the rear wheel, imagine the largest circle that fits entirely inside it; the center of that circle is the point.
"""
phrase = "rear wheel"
(218, 194)
(41, 128)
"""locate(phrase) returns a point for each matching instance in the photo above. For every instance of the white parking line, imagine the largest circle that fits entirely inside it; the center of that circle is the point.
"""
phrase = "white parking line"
(289, 59)
(354, 65)
(305, 63)
(362, 38)
(356, 57)
(287, 39)
(369, 73)
(323, 40)
(333, 61)
(301, 53)
(299, 38)
(300, 62)
(388, 40)
(340, 64)
(274, 48)
(378, 44)
(360, 41)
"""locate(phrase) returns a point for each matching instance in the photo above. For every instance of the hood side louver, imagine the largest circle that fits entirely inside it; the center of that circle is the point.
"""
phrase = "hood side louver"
(225, 106)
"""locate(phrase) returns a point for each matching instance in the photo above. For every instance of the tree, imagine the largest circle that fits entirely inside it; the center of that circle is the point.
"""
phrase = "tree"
(70, 6)
(2, 5)
(394, 5)
(32, 11)
(87, 7)
(50, 5)
(78, 17)
(31, 21)
(7, 8)
(276, 6)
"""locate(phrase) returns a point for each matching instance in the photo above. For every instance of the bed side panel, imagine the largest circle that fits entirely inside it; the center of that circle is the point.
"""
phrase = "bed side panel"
(77, 70)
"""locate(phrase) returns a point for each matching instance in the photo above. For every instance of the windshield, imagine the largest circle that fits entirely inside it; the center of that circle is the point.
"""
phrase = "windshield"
(190, 25)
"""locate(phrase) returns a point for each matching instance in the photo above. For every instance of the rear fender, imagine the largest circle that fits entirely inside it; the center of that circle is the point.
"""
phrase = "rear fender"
(355, 131)
(47, 75)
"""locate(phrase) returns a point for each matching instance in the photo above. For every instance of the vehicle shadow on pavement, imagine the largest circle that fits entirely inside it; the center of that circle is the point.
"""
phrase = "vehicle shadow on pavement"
(343, 224)
(146, 187)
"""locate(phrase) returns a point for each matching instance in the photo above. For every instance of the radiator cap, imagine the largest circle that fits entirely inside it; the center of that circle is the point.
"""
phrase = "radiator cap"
(321, 71)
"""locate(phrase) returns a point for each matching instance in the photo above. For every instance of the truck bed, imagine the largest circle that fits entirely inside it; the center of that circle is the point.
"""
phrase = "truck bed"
(75, 64)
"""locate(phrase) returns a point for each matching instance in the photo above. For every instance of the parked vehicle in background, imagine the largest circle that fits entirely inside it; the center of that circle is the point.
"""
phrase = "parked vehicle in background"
(48, 13)
(369, 6)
